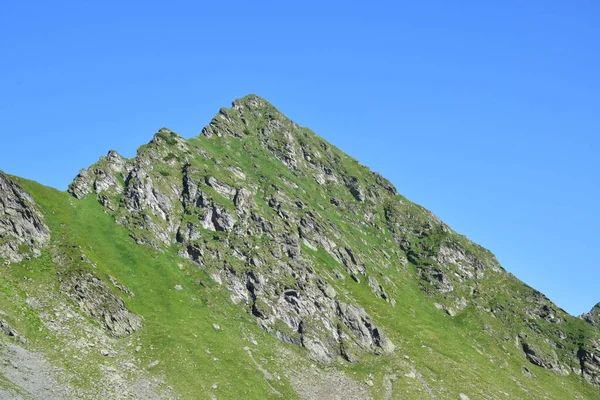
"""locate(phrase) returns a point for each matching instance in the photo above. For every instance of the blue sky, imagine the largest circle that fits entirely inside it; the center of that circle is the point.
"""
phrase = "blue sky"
(487, 113)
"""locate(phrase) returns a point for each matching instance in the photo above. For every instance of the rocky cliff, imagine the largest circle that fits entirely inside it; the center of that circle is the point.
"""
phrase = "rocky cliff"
(22, 232)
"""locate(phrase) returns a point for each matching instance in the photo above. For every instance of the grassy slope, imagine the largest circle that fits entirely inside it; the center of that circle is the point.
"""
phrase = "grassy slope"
(178, 325)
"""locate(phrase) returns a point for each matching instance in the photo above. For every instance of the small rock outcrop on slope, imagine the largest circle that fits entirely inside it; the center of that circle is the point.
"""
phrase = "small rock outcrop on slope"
(593, 317)
(590, 365)
(22, 232)
(96, 299)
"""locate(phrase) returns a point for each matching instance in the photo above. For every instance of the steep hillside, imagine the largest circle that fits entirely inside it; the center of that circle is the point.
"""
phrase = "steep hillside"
(259, 261)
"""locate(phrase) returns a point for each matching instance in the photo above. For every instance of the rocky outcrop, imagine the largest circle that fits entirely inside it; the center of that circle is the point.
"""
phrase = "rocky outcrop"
(22, 232)
(590, 365)
(359, 323)
(437, 278)
(81, 185)
(10, 332)
(95, 298)
(593, 317)
(308, 314)
(377, 288)
(106, 175)
(356, 188)
(548, 360)
(453, 257)
(222, 188)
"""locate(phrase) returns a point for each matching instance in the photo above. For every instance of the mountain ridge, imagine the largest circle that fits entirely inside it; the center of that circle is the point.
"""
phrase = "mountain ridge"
(301, 240)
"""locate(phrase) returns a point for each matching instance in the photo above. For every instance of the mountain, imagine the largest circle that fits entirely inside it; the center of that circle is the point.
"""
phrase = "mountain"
(257, 261)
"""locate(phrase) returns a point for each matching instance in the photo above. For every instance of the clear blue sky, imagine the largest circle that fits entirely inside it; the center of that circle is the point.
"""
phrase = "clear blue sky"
(485, 112)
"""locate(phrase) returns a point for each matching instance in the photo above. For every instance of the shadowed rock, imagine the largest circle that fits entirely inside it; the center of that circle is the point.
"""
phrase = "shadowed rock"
(22, 231)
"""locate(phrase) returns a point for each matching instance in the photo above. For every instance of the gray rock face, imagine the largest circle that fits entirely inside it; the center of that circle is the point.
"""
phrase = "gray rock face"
(147, 206)
(437, 278)
(243, 201)
(22, 231)
(593, 317)
(359, 322)
(309, 315)
(81, 185)
(105, 175)
(590, 365)
(10, 332)
(221, 219)
(467, 266)
(543, 359)
(377, 289)
(222, 188)
(356, 189)
(96, 299)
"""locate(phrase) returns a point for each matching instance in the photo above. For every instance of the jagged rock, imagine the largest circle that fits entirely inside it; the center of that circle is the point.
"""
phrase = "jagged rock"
(436, 277)
(221, 219)
(165, 140)
(243, 201)
(101, 177)
(593, 317)
(220, 187)
(356, 188)
(289, 244)
(10, 332)
(377, 289)
(22, 231)
(306, 316)
(590, 365)
(548, 359)
(387, 185)
(541, 307)
(96, 299)
(115, 160)
(142, 193)
(189, 194)
(359, 323)
(148, 207)
(452, 257)
(315, 233)
(81, 185)
(104, 181)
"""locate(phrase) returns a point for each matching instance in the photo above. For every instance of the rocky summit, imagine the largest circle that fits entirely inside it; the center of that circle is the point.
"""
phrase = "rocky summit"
(258, 261)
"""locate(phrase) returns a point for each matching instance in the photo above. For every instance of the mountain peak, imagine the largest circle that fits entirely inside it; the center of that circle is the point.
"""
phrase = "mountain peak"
(259, 232)
(251, 100)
